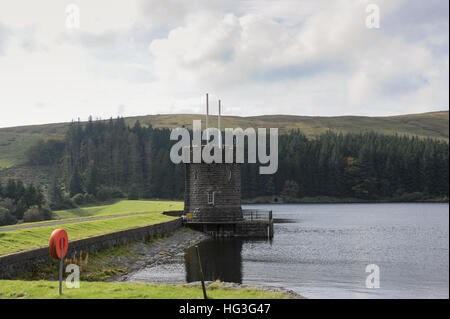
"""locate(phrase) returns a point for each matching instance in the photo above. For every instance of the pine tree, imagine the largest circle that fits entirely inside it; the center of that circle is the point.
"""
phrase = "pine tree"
(367, 165)
(76, 184)
(55, 194)
(92, 180)
(21, 208)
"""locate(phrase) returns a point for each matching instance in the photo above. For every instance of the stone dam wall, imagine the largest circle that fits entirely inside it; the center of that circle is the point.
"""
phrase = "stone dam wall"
(17, 263)
(255, 229)
(243, 229)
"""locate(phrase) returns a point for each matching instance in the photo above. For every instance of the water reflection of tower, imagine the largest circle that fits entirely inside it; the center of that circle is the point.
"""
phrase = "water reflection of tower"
(221, 259)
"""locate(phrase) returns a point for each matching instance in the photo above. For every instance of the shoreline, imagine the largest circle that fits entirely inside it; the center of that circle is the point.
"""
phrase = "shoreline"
(271, 289)
(333, 200)
(118, 264)
(154, 253)
(165, 250)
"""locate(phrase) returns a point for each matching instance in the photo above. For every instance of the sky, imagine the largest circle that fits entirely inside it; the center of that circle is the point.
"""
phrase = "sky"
(301, 57)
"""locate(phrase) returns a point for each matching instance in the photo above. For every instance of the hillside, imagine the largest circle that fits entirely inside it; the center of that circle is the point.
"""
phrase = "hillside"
(16, 140)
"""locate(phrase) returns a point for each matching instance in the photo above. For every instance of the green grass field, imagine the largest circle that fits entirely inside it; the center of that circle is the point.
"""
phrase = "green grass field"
(29, 238)
(14, 289)
(122, 207)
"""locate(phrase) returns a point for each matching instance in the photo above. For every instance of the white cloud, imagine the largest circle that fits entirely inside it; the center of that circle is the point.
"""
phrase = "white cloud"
(4, 35)
(331, 52)
(260, 57)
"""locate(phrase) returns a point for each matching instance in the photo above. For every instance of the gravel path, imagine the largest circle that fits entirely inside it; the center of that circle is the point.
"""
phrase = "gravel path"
(59, 222)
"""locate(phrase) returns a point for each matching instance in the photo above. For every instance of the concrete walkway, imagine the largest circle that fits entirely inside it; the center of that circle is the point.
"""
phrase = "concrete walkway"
(59, 222)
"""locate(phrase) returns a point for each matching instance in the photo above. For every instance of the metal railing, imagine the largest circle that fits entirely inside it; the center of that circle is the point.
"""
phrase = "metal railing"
(257, 214)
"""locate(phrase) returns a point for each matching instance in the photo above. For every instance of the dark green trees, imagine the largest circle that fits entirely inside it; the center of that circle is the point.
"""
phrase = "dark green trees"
(108, 158)
(367, 166)
(76, 184)
(16, 199)
(45, 152)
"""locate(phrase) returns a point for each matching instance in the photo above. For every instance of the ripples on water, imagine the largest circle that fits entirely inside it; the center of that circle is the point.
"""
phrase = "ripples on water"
(322, 250)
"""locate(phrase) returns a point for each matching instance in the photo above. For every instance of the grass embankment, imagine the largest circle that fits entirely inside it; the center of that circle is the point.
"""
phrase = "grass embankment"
(95, 266)
(29, 238)
(122, 207)
(15, 289)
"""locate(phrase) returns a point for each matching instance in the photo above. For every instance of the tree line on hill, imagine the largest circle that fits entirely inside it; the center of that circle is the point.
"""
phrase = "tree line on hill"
(108, 159)
(367, 166)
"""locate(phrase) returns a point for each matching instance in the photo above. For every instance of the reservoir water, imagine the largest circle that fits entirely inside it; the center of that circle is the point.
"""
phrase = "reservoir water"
(322, 251)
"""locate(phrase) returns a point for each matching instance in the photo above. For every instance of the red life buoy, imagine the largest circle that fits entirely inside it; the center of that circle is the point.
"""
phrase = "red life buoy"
(55, 243)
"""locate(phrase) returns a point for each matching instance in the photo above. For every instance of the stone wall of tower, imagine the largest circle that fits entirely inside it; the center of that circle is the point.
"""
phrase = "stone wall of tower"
(223, 182)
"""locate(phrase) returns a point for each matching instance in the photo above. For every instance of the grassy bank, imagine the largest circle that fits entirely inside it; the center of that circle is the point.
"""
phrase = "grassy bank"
(15, 289)
(29, 238)
(95, 266)
(122, 207)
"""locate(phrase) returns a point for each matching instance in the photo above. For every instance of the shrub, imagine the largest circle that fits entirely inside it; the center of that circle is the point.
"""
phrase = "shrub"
(33, 214)
(104, 192)
(8, 204)
(45, 152)
(21, 207)
(89, 198)
(6, 218)
(410, 197)
(68, 202)
(78, 199)
(65, 203)
(290, 189)
(36, 214)
(117, 193)
(133, 194)
(46, 212)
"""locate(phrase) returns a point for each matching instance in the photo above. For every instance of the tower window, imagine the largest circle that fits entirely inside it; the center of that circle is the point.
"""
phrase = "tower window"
(210, 198)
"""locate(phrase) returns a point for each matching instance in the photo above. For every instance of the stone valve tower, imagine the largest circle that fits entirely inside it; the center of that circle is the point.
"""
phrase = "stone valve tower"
(213, 191)
(212, 196)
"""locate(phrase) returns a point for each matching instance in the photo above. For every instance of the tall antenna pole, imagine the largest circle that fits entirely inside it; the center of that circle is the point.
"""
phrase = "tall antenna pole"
(220, 132)
(207, 110)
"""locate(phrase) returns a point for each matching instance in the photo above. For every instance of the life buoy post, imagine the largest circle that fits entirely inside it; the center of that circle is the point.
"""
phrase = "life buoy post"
(58, 245)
